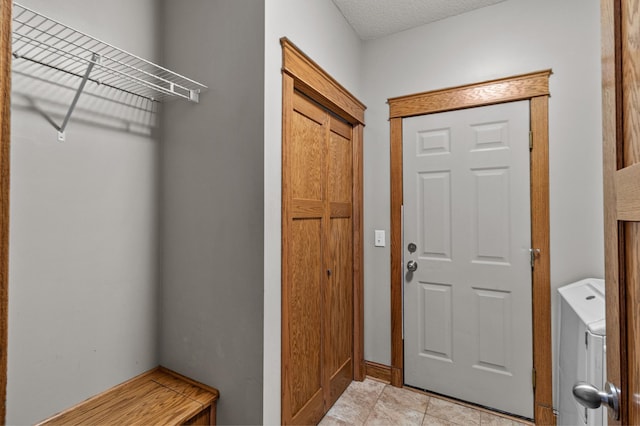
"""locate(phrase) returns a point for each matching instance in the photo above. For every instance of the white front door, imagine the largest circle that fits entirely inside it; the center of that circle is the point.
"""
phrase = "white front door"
(467, 306)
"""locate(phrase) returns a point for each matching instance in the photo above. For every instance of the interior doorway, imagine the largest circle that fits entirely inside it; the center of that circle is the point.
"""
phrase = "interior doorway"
(529, 87)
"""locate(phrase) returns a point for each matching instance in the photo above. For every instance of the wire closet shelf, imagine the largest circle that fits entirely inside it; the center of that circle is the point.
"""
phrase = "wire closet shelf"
(45, 41)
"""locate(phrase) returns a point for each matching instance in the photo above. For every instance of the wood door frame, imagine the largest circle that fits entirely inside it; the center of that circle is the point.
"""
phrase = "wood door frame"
(5, 140)
(535, 88)
(301, 73)
(620, 150)
(612, 139)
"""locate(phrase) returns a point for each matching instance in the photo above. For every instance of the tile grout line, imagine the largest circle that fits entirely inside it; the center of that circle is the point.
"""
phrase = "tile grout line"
(373, 407)
(424, 412)
(426, 407)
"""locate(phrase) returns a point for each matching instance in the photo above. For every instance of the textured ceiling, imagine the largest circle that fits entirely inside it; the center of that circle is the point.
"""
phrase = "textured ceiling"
(377, 18)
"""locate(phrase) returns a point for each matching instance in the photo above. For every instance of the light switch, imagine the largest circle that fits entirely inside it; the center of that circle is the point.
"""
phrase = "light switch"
(379, 238)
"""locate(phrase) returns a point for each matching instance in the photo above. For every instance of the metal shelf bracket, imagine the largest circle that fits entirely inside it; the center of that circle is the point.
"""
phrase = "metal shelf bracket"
(95, 59)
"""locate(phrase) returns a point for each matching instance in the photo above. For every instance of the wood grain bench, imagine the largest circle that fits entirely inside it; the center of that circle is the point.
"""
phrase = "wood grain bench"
(157, 397)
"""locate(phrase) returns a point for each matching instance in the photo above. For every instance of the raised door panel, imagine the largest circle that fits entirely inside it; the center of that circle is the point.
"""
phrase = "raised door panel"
(434, 230)
(307, 150)
(304, 367)
(340, 170)
(436, 320)
(494, 318)
(491, 216)
(338, 341)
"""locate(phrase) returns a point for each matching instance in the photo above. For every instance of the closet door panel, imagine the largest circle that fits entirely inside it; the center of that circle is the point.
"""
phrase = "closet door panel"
(339, 306)
(305, 188)
(304, 367)
(318, 262)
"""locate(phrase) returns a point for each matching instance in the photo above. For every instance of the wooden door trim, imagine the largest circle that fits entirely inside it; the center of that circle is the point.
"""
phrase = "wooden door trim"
(358, 251)
(535, 88)
(517, 88)
(616, 199)
(300, 73)
(5, 135)
(316, 83)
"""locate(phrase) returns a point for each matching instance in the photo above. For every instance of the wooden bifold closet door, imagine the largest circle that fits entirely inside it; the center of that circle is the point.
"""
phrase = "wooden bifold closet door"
(317, 293)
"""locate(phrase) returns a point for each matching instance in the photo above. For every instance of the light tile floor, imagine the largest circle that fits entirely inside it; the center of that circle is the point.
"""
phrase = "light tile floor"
(375, 403)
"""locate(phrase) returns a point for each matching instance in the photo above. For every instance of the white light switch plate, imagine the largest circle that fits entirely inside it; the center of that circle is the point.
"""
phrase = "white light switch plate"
(379, 238)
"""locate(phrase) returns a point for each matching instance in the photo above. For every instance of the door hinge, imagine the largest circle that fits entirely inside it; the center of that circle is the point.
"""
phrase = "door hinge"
(533, 378)
(586, 339)
(530, 140)
(533, 253)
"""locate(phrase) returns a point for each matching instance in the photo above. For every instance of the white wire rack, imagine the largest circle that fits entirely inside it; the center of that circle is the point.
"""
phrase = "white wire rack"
(42, 40)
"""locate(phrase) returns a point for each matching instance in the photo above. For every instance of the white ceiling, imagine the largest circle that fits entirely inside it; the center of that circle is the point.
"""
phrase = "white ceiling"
(377, 18)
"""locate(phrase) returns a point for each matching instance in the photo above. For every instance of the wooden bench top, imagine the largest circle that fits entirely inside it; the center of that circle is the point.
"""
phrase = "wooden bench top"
(157, 397)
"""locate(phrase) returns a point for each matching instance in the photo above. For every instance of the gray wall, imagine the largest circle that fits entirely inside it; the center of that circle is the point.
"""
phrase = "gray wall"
(83, 251)
(212, 203)
(510, 38)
